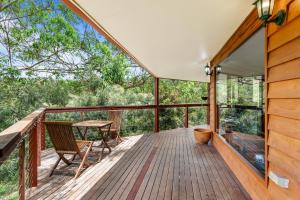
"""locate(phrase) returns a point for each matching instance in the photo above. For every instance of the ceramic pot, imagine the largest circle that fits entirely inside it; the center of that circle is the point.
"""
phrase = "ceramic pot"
(202, 135)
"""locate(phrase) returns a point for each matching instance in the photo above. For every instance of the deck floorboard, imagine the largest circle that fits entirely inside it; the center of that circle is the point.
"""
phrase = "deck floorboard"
(167, 165)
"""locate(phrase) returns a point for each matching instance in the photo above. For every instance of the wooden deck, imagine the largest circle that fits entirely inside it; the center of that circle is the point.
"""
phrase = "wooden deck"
(168, 165)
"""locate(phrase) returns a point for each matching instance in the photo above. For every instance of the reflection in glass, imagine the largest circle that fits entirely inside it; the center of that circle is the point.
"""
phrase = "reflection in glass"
(241, 115)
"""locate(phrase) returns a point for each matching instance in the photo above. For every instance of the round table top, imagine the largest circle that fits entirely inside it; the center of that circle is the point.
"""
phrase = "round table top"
(92, 123)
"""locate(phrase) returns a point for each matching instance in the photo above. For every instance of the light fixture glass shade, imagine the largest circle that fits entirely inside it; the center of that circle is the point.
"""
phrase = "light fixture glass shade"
(264, 8)
(218, 69)
(258, 6)
(207, 70)
(271, 6)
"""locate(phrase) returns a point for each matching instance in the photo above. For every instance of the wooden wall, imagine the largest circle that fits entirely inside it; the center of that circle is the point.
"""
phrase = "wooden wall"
(283, 101)
(282, 68)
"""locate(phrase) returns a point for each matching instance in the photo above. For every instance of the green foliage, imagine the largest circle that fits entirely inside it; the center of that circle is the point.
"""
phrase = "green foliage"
(175, 91)
(9, 178)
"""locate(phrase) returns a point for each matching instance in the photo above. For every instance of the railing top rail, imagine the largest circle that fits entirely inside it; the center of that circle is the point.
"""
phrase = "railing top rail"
(96, 108)
(10, 136)
(182, 105)
(130, 107)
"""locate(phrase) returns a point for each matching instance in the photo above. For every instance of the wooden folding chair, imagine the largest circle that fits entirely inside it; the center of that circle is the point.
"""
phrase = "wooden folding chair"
(64, 142)
(116, 117)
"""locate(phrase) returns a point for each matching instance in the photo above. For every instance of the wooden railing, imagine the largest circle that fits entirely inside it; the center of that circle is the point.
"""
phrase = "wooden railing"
(32, 127)
(14, 136)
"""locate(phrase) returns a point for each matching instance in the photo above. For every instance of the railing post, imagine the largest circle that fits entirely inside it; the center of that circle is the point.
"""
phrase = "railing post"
(33, 156)
(40, 137)
(22, 170)
(43, 131)
(217, 117)
(186, 124)
(156, 104)
(81, 116)
(207, 107)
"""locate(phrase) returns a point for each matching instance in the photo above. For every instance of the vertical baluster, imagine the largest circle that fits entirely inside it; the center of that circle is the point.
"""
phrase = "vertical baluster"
(33, 156)
(40, 138)
(156, 103)
(22, 170)
(186, 124)
(43, 131)
(207, 107)
(82, 114)
(218, 117)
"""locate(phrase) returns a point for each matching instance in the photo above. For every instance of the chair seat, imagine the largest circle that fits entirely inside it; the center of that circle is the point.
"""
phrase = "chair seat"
(111, 130)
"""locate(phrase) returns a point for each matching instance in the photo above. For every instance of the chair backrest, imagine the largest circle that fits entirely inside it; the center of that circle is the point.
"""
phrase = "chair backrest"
(62, 136)
(116, 117)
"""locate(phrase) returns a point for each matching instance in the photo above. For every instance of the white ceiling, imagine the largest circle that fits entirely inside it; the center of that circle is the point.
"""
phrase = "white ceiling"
(171, 38)
(248, 59)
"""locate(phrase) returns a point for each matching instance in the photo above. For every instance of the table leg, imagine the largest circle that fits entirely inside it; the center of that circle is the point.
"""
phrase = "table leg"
(104, 137)
(85, 133)
(81, 135)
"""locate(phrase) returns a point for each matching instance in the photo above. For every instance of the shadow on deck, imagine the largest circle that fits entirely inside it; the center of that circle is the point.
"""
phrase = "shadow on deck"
(168, 165)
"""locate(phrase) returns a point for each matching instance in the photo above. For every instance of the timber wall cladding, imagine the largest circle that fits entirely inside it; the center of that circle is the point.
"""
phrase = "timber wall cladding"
(283, 101)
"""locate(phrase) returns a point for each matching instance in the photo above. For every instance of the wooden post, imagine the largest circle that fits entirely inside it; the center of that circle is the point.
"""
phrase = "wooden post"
(156, 104)
(22, 170)
(207, 107)
(81, 116)
(217, 117)
(212, 103)
(186, 124)
(33, 156)
(40, 137)
(43, 132)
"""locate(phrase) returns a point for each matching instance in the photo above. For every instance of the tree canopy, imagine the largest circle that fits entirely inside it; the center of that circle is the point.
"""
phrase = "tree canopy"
(44, 38)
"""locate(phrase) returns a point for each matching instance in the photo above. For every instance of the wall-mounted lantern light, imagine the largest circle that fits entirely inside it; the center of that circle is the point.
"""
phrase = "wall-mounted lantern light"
(265, 10)
(209, 71)
(218, 69)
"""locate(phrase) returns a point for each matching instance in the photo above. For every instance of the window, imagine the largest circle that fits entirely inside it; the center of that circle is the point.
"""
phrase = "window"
(240, 101)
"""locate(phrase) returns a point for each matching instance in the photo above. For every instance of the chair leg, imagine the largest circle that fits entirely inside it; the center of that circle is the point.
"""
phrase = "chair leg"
(84, 160)
(106, 146)
(55, 165)
(119, 139)
(74, 156)
(64, 159)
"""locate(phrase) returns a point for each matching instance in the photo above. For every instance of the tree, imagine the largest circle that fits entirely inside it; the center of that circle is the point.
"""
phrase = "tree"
(43, 37)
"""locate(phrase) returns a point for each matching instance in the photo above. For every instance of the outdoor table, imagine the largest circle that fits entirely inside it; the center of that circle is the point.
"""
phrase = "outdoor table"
(98, 124)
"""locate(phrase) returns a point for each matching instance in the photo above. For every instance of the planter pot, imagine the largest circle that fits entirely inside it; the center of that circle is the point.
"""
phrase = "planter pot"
(202, 135)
